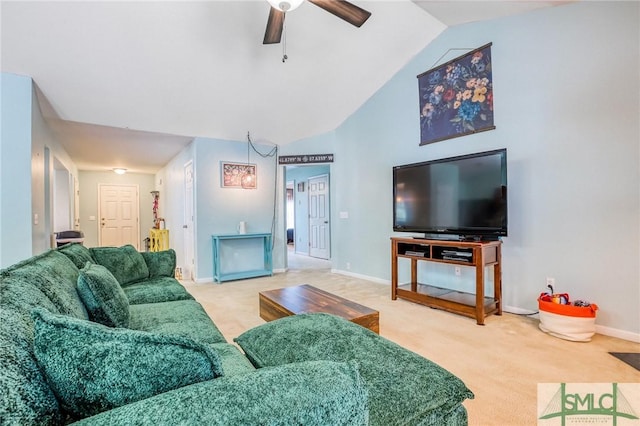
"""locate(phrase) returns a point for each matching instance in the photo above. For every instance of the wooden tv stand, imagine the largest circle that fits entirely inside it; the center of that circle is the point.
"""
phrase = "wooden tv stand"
(471, 254)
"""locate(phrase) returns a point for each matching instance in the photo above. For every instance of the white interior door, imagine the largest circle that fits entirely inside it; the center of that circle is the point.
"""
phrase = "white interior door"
(188, 271)
(319, 217)
(119, 211)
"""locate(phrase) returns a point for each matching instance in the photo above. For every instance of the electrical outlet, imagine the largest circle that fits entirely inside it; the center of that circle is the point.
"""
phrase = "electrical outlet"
(458, 271)
(551, 281)
(348, 266)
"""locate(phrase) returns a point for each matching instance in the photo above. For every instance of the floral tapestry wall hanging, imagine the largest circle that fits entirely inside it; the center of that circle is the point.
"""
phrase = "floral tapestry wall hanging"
(456, 98)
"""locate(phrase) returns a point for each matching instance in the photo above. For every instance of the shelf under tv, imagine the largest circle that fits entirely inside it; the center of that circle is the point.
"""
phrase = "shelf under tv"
(446, 299)
(471, 254)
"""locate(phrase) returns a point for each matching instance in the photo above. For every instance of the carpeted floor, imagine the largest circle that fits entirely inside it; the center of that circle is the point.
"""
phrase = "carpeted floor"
(631, 358)
(501, 362)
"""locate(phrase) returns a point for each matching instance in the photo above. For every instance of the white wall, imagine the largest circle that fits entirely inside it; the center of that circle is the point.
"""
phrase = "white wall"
(171, 183)
(566, 108)
(45, 151)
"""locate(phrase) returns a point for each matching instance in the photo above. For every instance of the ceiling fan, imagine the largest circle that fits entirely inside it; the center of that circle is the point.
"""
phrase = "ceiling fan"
(340, 8)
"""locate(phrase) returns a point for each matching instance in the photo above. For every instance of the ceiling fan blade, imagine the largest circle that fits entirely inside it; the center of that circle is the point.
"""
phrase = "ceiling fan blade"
(275, 23)
(344, 10)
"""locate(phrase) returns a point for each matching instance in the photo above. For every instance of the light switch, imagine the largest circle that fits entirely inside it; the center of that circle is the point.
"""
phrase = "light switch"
(92, 218)
(344, 215)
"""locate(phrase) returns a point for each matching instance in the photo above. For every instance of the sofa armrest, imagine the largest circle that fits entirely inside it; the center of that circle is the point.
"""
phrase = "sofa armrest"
(160, 263)
(308, 393)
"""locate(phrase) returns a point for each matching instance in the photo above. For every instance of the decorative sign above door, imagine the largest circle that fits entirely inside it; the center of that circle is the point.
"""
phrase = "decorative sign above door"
(305, 159)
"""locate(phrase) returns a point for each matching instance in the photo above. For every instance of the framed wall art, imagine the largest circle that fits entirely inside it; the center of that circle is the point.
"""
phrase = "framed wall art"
(238, 175)
(456, 98)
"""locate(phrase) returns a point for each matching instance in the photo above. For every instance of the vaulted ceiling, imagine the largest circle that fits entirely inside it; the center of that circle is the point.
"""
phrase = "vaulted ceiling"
(131, 83)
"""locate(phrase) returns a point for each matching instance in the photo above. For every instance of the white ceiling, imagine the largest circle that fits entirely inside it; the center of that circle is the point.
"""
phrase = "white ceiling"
(129, 84)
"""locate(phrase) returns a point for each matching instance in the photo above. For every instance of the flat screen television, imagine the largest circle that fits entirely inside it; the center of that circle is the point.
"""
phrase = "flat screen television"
(463, 196)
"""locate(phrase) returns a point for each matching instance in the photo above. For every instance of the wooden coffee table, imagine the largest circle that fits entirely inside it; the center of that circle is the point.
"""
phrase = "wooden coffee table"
(305, 299)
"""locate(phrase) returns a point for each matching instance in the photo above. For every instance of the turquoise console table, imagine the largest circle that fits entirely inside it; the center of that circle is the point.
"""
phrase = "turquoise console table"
(239, 256)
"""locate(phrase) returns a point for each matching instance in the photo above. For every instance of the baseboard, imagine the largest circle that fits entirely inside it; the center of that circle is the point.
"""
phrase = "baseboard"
(519, 311)
(600, 329)
(360, 276)
(620, 334)
(210, 279)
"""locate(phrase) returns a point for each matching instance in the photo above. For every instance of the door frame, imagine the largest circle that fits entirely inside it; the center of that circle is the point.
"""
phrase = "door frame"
(190, 264)
(283, 203)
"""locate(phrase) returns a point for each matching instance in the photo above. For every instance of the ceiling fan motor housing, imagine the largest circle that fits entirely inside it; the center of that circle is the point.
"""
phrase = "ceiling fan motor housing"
(284, 5)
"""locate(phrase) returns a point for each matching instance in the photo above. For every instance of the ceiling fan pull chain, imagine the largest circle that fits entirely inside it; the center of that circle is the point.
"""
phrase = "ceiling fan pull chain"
(284, 39)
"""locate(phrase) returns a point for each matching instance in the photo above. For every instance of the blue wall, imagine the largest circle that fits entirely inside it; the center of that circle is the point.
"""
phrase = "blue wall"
(219, 210)
(566, 107)
(27, 176)
(15, 170)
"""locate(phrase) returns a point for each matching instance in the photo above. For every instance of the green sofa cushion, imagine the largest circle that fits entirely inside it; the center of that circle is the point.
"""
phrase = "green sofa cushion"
(25, 396)
(154, 290)
(306, 393)
(92, 368)
(47, 280)
(125, 263)
(53, 274)
(102, 296)
(160, 263)
(77, 253)
(401, 384)
(233, 361)
(184, 318)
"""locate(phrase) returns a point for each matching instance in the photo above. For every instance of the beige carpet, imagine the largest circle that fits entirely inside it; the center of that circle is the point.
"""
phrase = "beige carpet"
(501, 362)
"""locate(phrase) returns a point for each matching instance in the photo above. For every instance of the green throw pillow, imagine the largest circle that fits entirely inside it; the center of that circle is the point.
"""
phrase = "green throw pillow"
(125, 263)
(160, 263)
(102, 296)
(78, 254)
(92, 368)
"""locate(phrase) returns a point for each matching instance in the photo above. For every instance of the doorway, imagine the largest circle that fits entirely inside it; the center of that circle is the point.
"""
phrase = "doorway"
(119, 211)
(303, 196)
(63, 199)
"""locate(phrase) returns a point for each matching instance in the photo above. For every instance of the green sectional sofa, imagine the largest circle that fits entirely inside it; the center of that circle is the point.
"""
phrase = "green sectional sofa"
(108, 336)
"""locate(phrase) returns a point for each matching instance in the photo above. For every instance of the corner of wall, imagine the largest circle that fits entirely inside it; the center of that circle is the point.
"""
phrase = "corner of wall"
(15, 167)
